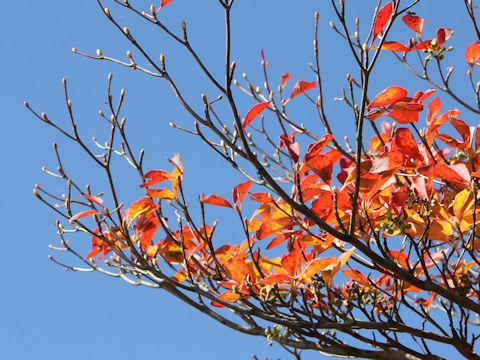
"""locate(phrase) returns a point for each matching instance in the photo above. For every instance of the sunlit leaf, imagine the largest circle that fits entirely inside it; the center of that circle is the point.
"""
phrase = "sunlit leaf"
(215, 200)
(83, 214)
(301, 87)
(164, 2)
(472, 53)
(388, 96)
(415, 23)
(285, 78)
(393, 46)
(161, 193)
(240, 191)
(143, 205)
(381, 19)
(254, 112)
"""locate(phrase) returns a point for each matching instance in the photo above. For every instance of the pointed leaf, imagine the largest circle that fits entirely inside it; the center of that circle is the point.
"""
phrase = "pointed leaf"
(164, 2)
(240, 191)
(95, 199)
(443, 34)
(83, 214)
(177, 162)
(254, 112)
(393, 46)
(388, 96)
(414, 22)
(381, 20)
(215, 200)
(301, 87)
(143, 205)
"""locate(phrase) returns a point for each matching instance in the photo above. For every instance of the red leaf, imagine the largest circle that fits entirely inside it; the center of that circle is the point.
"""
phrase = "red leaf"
(381, 20)
(83, 214)
(415, 23)
(301, 87)
(285, 78)
(253, 113)
(388, 96)
(443, 34)
(316, 147)
(164, 2)
(292, 147)
(472, 53)
(240, 191)
(393, 46)
(215, 200)
(95, 199)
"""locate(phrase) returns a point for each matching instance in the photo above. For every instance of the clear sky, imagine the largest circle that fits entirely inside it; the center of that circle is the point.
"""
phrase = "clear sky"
(49, 313)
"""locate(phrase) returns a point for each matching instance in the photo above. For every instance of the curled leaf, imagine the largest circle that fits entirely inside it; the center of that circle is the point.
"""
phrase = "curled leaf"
(415, 23)
(240, 191)
(472, 53)
(142, 206)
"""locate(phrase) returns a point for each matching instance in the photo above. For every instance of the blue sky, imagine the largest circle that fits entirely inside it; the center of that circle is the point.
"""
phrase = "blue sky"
(49, 313)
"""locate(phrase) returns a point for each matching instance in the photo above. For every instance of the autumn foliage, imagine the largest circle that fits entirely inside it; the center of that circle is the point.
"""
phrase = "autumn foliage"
(357, 248)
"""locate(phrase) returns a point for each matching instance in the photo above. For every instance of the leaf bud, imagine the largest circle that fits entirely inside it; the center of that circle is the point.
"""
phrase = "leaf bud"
(107, 12)
(126, 31)
(74, 50)
(184, 26)
(99, 52)
(162, 59)
(332, 25)
(204, 98)
(316, 15)
(152, 10)
(110, 77)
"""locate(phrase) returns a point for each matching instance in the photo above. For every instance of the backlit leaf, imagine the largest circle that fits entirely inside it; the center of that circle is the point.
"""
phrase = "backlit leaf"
(95, 199)
(393, 46)
(240, 191)
(215, 200)
(285, 78)
(301, 87)
(254, 112)
(415, 23)
(83, 214)
(388, 96)
(472, 53)
(164, 2)
(142, 206)
(161, 193)
(381, 20)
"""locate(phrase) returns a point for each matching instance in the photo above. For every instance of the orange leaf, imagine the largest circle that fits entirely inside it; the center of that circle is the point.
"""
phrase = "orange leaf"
(215, 200)
(357, 276)
(472, 53)
(275, 279)
(95, 199)
(143, 205)
(381, 20)
(301, 87)
(155, 177)
(228, 296)
(415, 23)
(285, 78)
(317, 147)
(393, 46)
(237, 269)
(388, 96)
(83, 214)
(253, 113)
(240, 191)
(161, 193)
